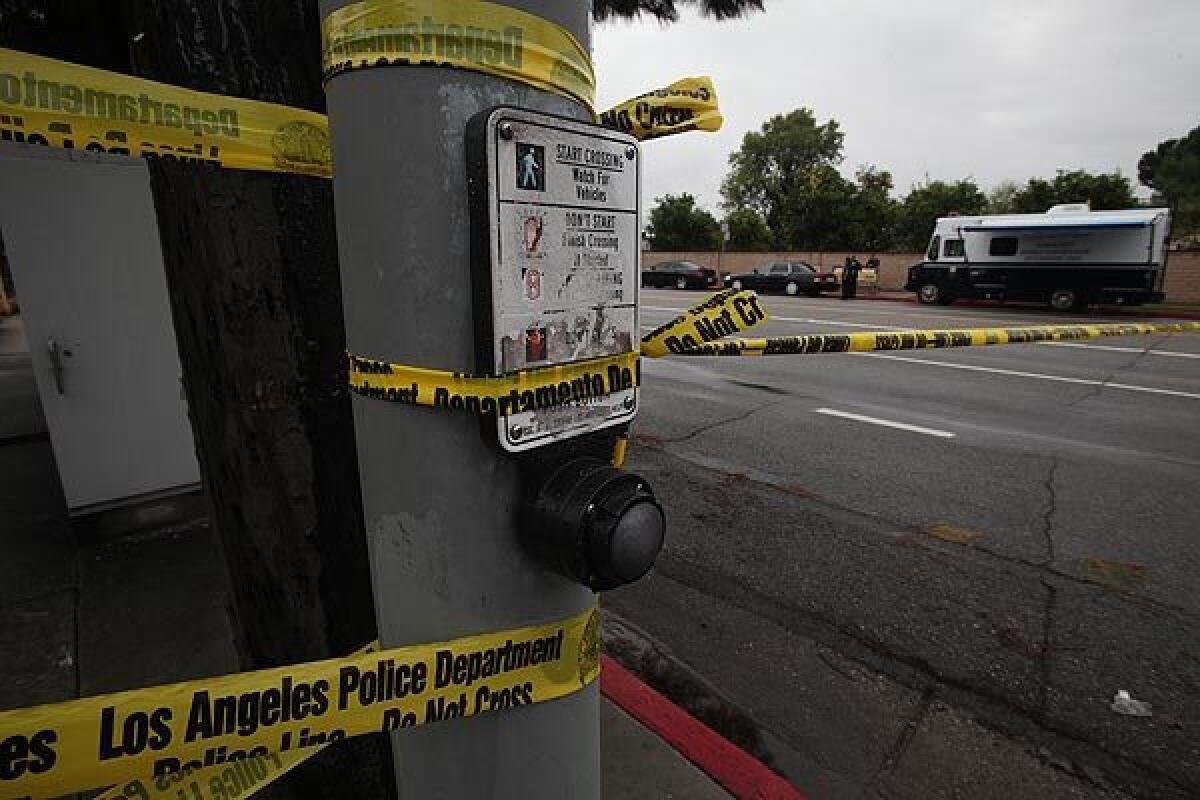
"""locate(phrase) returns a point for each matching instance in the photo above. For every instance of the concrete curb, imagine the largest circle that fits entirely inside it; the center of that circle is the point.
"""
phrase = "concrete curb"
(737, 772)
(984, 304)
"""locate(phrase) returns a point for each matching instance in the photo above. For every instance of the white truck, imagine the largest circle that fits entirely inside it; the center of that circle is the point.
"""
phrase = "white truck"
(1069, 257)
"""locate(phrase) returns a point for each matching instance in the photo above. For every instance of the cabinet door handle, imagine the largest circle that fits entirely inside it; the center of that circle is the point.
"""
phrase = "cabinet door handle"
(56, 364)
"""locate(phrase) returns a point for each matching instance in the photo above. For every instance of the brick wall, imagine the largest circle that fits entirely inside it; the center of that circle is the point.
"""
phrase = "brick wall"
(1183, 277)
(1182, 286)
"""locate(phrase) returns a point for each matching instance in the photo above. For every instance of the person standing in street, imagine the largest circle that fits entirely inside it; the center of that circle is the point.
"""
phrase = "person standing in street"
(850, 278)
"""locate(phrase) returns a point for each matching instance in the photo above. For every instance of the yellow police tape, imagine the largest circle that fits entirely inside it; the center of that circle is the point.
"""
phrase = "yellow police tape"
(48, 102)
(465, 34)
(232, 780)
(723, 314)
(925, 339)
(689, 104)
(58, 104)
(228, 780)
(528, 390)
(620, 448)
(702, 330)
(270, 716)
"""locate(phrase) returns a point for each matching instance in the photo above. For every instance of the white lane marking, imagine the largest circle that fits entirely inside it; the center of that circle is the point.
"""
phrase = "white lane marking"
(877, 326)
(934, 315)
(1037, 375)
(1114, 349)
(840, 323)
(1000, 323)
(803, 319)
(887, 423)
(983, 317)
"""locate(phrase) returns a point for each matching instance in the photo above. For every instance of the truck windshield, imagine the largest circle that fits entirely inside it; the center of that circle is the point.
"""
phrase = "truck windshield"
(934, 244)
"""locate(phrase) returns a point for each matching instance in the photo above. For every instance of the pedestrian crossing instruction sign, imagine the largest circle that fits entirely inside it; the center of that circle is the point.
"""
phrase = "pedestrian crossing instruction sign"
(556, 221)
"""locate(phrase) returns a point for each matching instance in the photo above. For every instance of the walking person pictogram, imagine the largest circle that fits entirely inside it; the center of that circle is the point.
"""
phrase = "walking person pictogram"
(531, 167)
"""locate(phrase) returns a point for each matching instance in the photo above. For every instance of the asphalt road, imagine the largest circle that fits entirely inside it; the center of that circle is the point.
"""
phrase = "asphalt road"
(926, 574)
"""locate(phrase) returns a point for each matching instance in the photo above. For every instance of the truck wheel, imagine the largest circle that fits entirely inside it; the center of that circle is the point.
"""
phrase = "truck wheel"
(736, 286)
(792, 288)
(931, 294)
(681, 283)
(1066, 300)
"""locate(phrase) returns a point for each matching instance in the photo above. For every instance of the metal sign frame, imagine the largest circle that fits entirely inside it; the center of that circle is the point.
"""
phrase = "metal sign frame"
(542, 225)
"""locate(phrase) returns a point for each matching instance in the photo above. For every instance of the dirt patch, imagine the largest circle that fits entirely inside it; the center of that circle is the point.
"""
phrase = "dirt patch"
(1116, 574)
(951, 533)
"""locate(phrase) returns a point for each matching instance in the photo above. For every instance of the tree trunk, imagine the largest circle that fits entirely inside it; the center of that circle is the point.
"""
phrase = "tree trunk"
(80, 31)
(257, 308)
(251, 261)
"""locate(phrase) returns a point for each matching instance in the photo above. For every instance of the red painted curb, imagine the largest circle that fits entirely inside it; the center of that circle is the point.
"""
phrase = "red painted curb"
(736, 771)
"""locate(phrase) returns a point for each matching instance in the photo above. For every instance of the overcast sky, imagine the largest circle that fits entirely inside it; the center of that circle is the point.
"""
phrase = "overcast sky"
(996, 90)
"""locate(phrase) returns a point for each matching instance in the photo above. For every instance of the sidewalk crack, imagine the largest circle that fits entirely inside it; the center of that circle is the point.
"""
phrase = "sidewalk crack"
(1042, 566)
(721, 423)
(1048, 513)
(834, 667)
(1046, 653)
(896, 752)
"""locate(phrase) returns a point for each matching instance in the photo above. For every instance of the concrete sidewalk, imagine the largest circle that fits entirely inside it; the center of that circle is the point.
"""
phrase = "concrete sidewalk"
(80, 617)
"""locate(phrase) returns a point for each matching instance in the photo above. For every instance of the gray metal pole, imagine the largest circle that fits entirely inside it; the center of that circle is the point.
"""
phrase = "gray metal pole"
(438, 501)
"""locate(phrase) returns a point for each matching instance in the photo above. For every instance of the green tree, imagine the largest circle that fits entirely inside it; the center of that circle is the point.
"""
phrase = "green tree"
(1103, 191)
(870, 219)
(677, 224)
(925, 203)
(748, 231)
(1002, 199)
(1172, 170)
(1034, 197)
(787, 172)
(819, 217)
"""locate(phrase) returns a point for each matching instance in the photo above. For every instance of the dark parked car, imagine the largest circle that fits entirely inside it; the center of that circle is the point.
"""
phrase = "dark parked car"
(789, 277)
(681, 275)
